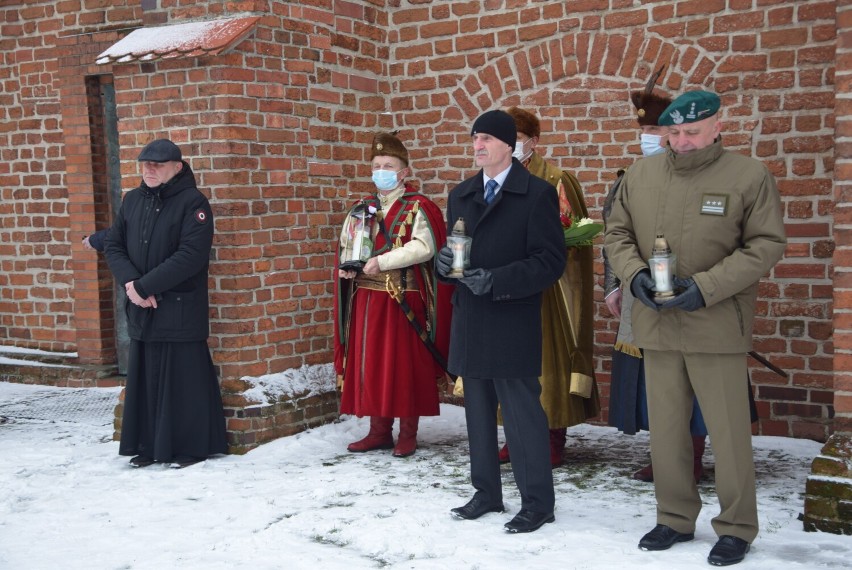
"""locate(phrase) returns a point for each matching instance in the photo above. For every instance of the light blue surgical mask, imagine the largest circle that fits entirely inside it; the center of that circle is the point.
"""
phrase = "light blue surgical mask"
(650, 144)
(385, 180)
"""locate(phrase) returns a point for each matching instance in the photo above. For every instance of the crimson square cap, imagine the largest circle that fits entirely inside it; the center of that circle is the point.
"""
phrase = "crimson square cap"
(160, 150)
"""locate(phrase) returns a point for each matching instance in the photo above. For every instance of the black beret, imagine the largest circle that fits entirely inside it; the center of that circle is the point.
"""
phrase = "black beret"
(160, 150)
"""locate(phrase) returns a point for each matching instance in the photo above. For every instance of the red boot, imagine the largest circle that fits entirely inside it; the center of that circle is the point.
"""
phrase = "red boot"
(380, 436)
(557, 444)
(646, 474)
(407, 442)
(698, 443)
(503, 454)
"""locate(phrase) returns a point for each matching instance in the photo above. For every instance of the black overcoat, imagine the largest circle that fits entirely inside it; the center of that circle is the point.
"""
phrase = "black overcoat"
(161, 239)
(519, 239)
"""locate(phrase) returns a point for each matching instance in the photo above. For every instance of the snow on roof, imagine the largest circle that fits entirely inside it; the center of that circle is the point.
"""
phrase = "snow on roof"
(191, 39)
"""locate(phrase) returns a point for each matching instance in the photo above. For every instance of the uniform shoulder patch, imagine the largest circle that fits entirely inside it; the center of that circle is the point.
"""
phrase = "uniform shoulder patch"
(201, 216)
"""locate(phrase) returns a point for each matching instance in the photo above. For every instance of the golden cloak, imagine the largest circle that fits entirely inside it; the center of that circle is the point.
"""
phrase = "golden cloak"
(569, 391)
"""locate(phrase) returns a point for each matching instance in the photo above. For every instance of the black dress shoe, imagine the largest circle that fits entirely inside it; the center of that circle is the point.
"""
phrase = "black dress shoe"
(182, 461)
(728, 550)
(663, 537)
(141, 461)
(475, 508)
(528, 521)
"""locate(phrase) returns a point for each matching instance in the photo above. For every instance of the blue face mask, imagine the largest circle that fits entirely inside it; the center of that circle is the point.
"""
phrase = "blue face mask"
(385, 180)
(650, 144)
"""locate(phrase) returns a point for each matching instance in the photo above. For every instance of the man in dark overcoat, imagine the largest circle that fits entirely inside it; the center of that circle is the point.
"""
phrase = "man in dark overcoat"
(495, 339)
(159, 249)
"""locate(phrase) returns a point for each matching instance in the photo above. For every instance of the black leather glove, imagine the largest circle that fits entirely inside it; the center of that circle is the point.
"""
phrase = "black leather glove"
(477, 280)
(444, 261)
(689, 299)
(642, 288)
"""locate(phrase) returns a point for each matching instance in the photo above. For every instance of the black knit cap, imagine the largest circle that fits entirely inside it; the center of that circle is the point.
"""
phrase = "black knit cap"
(160, 150)
(498, 124)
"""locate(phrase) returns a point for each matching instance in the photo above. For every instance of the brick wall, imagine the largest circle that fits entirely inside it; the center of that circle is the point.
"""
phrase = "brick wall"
(843, 231)
(575, 61)
(829, 487)
(277, 132)
(35, 262)
(269, 130)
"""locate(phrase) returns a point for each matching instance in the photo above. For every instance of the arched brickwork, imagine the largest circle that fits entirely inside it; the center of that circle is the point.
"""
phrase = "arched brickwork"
(578, 84)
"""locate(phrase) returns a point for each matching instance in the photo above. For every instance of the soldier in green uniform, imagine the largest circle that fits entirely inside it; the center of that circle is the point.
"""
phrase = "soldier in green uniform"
(721, 215)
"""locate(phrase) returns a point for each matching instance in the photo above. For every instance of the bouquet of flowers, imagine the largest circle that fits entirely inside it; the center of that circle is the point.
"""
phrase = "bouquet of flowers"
(579, 231)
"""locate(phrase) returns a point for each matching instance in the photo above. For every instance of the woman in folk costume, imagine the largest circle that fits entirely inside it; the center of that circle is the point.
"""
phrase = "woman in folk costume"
(569, 392)
(392, 332)
(628, 405)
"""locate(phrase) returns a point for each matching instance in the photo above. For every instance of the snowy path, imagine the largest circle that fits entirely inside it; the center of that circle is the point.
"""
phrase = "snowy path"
(68, 501)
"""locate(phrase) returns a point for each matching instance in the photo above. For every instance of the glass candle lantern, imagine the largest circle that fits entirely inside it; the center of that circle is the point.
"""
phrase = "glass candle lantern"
(662, 262)
(459, 244)
(357, 240)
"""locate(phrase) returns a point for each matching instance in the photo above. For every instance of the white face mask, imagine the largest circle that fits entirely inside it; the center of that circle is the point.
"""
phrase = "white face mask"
(651, 144)
(519, 151)
(385, 180)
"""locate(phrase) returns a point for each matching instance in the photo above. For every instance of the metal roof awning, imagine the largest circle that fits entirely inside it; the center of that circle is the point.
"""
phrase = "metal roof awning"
(193, 39)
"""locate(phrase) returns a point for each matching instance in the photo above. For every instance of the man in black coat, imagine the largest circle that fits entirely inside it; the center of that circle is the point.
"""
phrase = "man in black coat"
(495, 341)
(96, 241)
(159, 249)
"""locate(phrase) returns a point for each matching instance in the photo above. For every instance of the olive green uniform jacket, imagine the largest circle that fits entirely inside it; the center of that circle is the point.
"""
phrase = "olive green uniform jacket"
(721, 214)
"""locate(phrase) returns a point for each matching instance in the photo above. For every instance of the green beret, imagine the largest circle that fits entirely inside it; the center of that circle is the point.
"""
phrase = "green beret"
(691, 107)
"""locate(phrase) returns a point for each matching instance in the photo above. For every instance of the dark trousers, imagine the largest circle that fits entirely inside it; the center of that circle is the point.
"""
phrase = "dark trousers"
(525, 426)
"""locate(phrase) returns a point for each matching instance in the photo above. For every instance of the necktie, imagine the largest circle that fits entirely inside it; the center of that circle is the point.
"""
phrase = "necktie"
(490, 190)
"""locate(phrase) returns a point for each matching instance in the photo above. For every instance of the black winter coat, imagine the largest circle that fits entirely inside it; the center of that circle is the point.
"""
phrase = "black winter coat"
(98, 240)
(161, 239)
(519, 238)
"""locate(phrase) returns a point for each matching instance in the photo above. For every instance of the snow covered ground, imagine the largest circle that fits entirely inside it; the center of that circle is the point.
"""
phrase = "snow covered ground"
(68, 501)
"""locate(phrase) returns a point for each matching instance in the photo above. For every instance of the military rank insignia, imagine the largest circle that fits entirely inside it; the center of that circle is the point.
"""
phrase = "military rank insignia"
(714, 204)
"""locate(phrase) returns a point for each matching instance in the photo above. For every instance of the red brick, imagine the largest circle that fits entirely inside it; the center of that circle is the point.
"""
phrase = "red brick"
(778, 38)
(743, 64)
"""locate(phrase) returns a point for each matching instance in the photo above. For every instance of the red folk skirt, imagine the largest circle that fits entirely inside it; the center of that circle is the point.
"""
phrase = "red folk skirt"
(388, 371)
